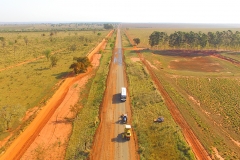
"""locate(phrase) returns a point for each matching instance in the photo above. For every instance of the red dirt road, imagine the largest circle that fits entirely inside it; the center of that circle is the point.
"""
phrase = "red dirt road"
(22, 143)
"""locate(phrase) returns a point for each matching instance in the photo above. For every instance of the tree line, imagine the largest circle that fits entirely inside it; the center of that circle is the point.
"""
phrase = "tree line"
(196, 40)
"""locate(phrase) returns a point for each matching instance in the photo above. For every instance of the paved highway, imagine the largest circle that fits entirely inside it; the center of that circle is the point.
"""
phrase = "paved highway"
(121, 145)
(109, 144)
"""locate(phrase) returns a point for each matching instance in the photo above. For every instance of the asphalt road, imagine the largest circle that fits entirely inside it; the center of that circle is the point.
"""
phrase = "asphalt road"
(121, 145)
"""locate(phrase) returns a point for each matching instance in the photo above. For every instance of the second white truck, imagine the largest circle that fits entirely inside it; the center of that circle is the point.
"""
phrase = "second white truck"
(123, 94)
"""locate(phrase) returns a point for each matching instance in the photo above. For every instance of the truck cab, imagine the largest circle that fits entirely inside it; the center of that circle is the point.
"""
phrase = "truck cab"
(124, 118)
(127, 132)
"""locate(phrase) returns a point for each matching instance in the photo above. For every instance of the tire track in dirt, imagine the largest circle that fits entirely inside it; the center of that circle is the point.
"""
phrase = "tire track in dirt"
(194, 143)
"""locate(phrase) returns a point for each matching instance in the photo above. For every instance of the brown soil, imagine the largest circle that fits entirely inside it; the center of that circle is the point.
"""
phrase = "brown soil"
(53, 135)
(197, 64)
(135, 59)
(194, 143)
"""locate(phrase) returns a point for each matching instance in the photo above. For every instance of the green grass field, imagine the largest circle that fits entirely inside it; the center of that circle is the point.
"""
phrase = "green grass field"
(204, 88)
(32, 84)
(22, 46)
(155, 140)
(207, 97)
(49, 27)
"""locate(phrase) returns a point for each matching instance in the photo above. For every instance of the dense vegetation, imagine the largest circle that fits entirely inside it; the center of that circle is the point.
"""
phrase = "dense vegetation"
(81, 64)
(107, 26)
(199, 40)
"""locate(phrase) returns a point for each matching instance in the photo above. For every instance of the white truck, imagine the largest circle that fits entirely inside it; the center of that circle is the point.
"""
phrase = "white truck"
(123, 94)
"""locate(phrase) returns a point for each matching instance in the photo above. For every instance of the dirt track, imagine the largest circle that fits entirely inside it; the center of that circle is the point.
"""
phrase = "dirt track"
(21, 144)
(194, 143)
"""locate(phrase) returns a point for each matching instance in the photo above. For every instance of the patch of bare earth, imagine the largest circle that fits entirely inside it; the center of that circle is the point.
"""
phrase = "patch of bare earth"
(151, 65)
(135, 59)
(197, 64)
(217, 154)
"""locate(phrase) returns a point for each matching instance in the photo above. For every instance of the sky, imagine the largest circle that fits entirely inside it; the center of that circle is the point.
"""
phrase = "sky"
(134, 11)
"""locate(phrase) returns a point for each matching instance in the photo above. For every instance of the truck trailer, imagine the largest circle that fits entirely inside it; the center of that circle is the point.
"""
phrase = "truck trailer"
(123, 94)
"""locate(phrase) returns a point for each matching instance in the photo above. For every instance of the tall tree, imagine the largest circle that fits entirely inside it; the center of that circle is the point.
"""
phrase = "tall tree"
(10, 113)
(136, 40)
(154, 38)
(212, 39)
(203, 39)
(107, 26)
(163, 39)
(81, 64)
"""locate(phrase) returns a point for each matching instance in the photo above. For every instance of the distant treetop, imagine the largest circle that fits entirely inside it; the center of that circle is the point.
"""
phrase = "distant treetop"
(108, 26)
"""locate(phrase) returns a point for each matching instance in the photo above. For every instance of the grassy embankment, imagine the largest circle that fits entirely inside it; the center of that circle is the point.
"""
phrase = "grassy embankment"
(208, 100)
(32, 84)
(155, 140)
(86, 123)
